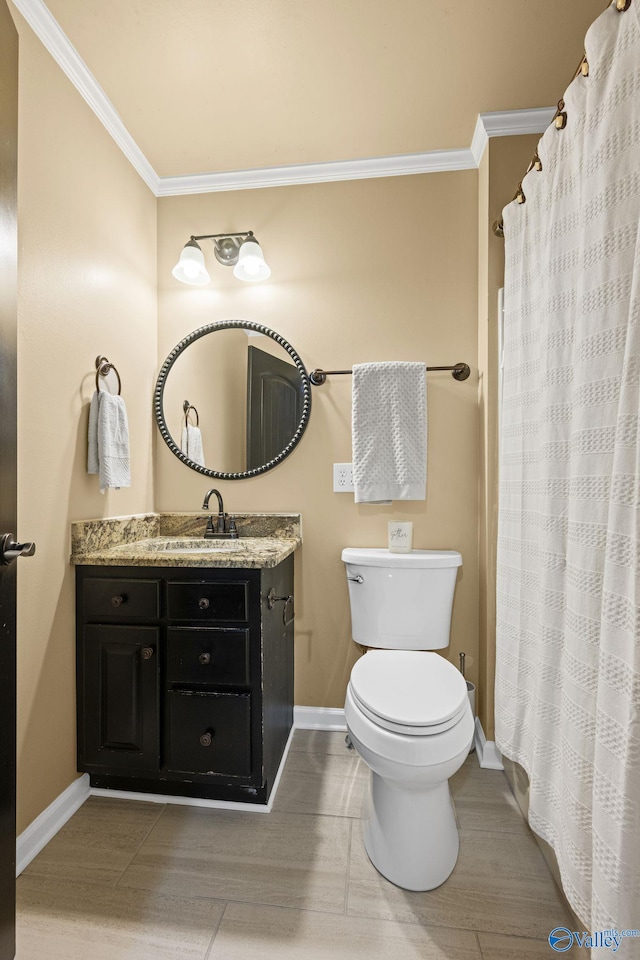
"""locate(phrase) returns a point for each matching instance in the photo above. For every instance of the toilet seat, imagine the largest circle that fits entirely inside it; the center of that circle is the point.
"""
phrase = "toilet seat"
(408, 731)
(415, 693)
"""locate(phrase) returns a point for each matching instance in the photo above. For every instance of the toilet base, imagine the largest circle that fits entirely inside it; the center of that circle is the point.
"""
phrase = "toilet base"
(410, 832)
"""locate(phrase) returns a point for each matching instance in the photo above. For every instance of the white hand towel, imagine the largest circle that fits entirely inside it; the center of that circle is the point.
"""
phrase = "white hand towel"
(192, 444)
(113, 442)
(389, 431)
(92, 447)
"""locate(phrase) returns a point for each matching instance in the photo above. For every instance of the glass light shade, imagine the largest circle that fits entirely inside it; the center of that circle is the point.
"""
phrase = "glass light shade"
(251, 265)
(190, 267)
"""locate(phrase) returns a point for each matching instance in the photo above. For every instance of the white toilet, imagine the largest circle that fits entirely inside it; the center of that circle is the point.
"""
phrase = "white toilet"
(407, 710)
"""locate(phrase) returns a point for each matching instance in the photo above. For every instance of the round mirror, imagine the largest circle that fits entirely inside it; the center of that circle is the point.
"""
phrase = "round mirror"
(235, 404)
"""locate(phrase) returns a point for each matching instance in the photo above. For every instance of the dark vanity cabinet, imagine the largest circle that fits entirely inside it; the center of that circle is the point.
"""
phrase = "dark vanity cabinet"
(185, 678)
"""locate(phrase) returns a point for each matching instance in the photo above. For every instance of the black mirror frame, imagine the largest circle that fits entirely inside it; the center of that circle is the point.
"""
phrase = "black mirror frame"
(158, 395)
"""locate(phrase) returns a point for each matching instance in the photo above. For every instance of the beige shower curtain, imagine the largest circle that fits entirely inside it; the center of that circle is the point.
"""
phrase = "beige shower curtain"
(568, 633)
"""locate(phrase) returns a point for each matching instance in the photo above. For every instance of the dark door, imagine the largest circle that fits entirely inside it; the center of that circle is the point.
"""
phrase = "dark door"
(274, 406)
(8, 254)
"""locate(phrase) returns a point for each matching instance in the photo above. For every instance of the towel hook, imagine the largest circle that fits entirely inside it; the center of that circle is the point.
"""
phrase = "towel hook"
(188, 407)
(103, 368)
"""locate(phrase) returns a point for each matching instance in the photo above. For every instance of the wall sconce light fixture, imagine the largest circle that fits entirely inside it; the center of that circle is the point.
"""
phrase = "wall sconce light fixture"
(238, 250)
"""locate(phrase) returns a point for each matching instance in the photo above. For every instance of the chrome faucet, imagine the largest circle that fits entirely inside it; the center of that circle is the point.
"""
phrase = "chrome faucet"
(220, 530)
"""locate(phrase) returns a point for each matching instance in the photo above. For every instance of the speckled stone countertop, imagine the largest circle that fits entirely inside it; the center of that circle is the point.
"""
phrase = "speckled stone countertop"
(176, 540)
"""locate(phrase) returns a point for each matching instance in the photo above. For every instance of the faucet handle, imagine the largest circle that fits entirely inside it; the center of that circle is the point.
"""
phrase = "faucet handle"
(233, 529)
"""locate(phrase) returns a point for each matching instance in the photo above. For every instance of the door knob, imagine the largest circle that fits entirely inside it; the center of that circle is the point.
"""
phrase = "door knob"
(10, 550)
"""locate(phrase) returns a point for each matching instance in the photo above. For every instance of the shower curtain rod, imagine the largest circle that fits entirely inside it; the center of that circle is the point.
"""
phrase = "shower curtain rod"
(459, 371)
(559, 120)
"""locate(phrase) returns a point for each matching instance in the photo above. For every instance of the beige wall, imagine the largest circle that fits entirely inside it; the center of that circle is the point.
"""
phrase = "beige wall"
(87, 247)
(364, 270)
(503, 166)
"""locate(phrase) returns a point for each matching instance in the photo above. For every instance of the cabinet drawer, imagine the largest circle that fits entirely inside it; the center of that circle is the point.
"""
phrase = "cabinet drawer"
(123, 599)
(209, 733)
(208, 655)
(206, 600)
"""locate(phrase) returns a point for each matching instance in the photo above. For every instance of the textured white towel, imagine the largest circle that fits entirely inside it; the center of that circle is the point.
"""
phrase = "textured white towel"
(108, 448)
(389, 427)
(92, 453)
(192, 444)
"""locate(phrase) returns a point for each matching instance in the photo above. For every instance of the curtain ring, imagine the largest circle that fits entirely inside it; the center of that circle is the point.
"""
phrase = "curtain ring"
(536, 163)
(584, 67)
(520, 194)
(622, 5)
(560, 118)
(498, 227)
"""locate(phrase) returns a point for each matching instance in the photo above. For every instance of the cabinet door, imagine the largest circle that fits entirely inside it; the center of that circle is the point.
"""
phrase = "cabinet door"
(120, 694)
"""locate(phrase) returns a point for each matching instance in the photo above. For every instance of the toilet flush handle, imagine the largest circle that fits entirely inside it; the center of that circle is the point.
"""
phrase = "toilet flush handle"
(357, 579)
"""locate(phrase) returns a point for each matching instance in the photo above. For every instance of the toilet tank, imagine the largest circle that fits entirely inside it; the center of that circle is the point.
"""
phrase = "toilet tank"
(401, 601)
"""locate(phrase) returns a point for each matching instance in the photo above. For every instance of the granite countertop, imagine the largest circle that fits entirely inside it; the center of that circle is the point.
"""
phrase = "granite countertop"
(176, 540)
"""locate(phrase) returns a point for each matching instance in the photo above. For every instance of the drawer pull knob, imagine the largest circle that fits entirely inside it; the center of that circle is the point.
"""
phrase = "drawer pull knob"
(205, 739)
(147, 653)
(205, 658)
(203, 603)
(117, 601)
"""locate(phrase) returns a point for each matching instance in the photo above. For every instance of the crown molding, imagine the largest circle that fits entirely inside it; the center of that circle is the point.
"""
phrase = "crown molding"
(506, 123)
(47, 29)
(479, 141)
(502, 123)
(435, 161)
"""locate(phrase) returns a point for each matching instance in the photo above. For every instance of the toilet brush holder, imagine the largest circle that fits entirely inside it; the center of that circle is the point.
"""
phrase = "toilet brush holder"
(471, 692)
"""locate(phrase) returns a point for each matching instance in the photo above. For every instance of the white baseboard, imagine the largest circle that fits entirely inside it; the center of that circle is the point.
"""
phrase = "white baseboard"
(180, 801)
(488, 755)
(319, 718)
(37, 835)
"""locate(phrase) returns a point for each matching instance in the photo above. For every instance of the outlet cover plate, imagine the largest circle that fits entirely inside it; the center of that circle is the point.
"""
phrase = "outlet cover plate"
(343, 478)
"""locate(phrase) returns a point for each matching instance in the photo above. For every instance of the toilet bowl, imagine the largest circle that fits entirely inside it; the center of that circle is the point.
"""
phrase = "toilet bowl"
(407, 711)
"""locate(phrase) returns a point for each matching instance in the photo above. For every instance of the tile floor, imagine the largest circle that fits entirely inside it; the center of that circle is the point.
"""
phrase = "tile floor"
(125, 880)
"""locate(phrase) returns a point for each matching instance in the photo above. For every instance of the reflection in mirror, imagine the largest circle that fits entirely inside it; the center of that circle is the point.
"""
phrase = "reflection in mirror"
(251, 399)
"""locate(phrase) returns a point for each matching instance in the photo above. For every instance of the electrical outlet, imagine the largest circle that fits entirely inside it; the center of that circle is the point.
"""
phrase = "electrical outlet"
(343, 478)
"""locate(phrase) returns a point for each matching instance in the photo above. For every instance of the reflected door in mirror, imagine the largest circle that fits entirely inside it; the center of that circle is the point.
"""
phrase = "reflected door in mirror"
(274, 406)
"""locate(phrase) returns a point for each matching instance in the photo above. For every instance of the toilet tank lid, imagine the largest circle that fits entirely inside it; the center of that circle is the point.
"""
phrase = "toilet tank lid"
(381, 557)
(408, 687)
